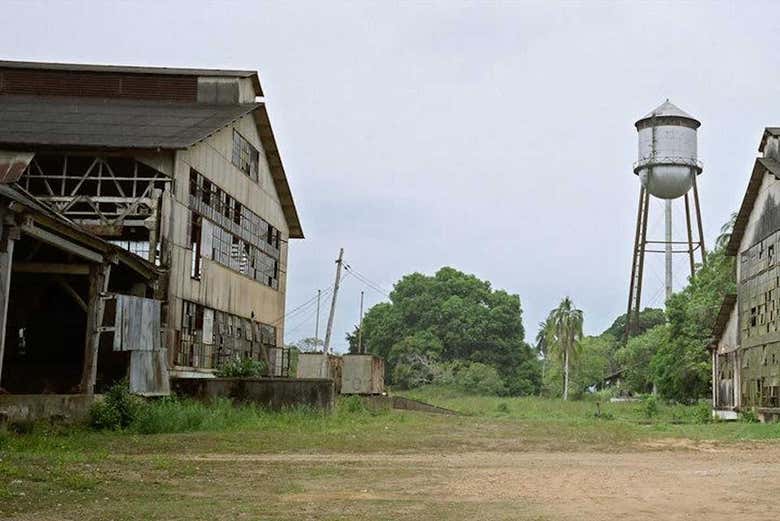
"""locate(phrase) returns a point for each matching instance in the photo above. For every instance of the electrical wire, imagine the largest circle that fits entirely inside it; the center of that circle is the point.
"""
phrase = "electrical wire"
(366, 281)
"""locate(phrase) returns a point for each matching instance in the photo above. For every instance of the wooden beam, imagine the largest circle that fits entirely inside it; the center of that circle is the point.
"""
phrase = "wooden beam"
(72, 292)
(50, 267)
(60, 242)
(98, 284)
(8, 235)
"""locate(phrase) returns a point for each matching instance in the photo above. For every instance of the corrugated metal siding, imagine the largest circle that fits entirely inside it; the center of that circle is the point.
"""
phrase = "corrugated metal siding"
(102, 85)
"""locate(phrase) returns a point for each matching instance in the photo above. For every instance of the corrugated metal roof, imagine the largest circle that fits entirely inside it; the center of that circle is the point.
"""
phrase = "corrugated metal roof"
(760, 167)
(112, 123)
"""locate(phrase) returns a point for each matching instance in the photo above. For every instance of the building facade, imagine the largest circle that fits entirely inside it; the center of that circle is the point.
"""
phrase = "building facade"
(177, 166)
(746, 345)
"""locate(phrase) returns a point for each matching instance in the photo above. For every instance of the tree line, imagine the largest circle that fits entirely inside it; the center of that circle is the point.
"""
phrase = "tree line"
(453, 328)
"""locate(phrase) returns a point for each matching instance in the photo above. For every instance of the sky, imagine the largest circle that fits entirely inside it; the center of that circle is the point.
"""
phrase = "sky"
(493, 137)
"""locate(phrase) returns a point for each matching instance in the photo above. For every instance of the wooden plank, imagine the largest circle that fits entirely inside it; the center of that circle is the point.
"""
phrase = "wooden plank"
(7, 237)
(51, 267)
(61, 242)
(98, 283)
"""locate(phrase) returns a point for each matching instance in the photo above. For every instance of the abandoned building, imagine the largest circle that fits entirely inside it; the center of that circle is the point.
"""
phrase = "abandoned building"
(145, 218)
(746, 335)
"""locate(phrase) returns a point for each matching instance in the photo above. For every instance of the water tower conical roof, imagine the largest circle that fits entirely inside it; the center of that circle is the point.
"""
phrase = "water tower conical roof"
(669, 109)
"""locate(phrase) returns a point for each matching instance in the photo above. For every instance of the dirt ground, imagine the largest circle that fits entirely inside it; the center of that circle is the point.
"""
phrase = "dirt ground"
(421, 468)
(666, 480)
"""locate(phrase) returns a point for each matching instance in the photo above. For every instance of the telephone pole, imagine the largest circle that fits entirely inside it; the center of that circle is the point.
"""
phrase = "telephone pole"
(317, 322)
(360, 327)
(329, 330)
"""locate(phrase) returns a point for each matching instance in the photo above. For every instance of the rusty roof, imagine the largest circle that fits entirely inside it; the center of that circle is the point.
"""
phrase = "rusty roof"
(760, 167)
(134, 69)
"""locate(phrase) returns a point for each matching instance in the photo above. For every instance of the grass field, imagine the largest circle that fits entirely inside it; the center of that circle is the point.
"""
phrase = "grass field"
(504, 458)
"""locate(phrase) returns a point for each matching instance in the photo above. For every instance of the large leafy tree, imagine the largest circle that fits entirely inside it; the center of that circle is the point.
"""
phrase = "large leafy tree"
(681, 365)
(452, 316)
(563, 334)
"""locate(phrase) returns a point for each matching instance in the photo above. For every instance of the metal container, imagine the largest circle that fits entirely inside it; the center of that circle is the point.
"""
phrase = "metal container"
(362, 374)
(667, 151)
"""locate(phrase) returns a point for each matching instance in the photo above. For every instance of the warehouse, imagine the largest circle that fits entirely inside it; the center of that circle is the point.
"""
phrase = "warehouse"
(170, 190)
(746, 336)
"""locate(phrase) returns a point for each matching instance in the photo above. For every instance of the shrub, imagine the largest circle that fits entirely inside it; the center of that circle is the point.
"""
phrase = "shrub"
(118, 409)
(748, 416)
(242, 368)
(480, 378)
(412, 370)
(352, 405)
(702, 412)
(650, 406)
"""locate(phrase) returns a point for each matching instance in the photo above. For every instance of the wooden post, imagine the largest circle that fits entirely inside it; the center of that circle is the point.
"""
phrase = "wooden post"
(98, 285)
(7, 237)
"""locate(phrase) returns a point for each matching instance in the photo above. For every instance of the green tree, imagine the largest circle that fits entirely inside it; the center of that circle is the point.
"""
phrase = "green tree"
(648, 319)
(563, 335)
(453, 316)
(681, 366)
(636, 356)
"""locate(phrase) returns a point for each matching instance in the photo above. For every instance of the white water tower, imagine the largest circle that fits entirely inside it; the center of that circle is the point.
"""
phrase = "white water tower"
(667, 168)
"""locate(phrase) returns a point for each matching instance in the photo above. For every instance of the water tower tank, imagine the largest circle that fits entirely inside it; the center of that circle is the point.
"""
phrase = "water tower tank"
(667, 151)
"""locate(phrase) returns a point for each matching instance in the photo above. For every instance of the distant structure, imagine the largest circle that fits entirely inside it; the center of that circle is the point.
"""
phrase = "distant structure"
(667, 168)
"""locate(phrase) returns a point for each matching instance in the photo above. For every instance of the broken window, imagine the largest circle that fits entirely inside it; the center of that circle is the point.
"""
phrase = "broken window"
(245, 156)
(195, 242)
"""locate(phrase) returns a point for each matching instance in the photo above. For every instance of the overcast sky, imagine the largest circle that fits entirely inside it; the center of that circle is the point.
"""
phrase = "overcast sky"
(496, 138)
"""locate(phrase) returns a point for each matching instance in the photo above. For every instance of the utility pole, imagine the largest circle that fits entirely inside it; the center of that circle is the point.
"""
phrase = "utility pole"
(329, 330)
(360, 327)
(317, 323)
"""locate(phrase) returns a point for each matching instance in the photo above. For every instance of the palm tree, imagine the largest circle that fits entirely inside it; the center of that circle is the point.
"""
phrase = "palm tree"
(562, 334)
(541, 345)
(725, 231)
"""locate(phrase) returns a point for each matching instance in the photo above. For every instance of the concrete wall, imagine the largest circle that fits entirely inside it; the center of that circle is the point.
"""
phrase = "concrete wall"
(32, 407)
(219, 287)
(274, 393)
(362, 374)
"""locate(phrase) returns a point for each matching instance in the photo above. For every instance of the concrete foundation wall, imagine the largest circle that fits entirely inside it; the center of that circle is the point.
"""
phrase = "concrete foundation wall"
(33, 407)
(273, 393)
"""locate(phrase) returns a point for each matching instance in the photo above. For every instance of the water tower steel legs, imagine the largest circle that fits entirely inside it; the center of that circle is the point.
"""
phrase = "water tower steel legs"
(668, 247)
(640, 248)
(637, 263)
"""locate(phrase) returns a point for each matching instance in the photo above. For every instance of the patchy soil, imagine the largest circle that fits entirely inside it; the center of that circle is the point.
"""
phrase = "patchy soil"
(667, 479)
(408, 467)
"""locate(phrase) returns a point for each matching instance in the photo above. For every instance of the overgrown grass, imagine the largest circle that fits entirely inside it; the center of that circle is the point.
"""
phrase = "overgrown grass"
(536, 408)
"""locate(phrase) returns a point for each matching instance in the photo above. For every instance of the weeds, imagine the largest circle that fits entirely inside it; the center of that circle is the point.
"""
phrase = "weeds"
(242, 368)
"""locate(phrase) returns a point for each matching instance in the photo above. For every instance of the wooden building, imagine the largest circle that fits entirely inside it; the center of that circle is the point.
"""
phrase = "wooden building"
(746, 337)
(168, 188)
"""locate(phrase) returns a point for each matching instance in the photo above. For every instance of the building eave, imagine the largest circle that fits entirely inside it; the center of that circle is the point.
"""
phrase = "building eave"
(761, 167)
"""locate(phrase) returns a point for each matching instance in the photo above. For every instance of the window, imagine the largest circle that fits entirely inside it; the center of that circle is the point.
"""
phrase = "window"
(245, 156)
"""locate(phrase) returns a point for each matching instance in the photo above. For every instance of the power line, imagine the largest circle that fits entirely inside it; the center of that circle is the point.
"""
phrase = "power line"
(366, 281)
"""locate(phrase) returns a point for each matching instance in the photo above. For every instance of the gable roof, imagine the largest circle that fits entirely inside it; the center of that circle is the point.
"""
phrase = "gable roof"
(762, 166)
(111, 123)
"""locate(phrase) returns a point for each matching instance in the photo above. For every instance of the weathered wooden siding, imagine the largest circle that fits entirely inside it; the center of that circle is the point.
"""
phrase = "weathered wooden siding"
(220, 287)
